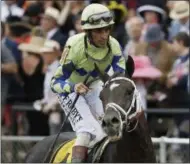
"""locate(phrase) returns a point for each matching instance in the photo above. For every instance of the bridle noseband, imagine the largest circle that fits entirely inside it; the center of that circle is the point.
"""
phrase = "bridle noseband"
(136, 103)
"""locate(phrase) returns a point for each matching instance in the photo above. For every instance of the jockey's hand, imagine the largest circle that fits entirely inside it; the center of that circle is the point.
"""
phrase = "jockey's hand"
(81, 88)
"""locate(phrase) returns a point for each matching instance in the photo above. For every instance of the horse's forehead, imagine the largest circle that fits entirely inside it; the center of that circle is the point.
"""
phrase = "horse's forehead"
(113, 86)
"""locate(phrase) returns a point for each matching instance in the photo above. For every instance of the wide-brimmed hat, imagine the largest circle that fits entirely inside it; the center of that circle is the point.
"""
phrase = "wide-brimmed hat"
(34, 45)
(50, 46)
(144, 68)
(180, 10)
(153, 33)
(52, 13)
(142, 9)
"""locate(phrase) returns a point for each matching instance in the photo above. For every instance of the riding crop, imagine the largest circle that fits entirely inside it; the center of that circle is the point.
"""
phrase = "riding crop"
(72, 106)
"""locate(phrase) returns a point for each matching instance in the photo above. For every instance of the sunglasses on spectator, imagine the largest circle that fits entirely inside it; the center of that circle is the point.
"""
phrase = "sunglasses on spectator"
(96, 19)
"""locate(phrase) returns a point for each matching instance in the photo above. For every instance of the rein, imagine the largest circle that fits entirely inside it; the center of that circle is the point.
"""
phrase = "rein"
(136, 103)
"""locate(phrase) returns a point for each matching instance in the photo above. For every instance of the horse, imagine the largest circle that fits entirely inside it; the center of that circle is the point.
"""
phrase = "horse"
(128, 139)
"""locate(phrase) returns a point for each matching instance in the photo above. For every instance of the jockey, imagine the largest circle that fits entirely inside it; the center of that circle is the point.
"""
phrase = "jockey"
(81, 52)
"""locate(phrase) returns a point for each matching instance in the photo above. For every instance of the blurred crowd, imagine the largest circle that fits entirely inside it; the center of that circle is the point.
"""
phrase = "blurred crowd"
(33, 34)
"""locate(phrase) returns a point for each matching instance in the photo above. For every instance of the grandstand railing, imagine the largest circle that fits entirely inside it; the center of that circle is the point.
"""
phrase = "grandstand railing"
(29, 107)
(150, 111)
(162, 141)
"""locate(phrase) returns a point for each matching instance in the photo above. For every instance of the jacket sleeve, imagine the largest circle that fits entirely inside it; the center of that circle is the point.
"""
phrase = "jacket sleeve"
(118, 63)
(60, 81)
(118, 60)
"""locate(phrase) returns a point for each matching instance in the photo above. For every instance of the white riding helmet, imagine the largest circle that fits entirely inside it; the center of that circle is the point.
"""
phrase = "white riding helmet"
(96, 16)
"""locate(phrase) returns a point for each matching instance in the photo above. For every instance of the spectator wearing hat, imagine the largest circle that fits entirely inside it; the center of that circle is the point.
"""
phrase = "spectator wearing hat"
(48, 104)
(134, 29)
(32, 13)
(49, 24)
(144, 72)
(152, 12)
(180, 15)
(10, 8)
(32, 74)
(159, 50)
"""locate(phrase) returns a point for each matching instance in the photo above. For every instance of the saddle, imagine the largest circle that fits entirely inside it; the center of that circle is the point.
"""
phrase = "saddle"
(63, 153)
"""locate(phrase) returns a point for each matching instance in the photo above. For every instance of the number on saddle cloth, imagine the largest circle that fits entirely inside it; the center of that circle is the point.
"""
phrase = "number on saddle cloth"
(63, 152)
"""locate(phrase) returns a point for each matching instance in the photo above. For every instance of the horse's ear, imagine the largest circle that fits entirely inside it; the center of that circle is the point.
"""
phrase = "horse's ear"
(130, 67)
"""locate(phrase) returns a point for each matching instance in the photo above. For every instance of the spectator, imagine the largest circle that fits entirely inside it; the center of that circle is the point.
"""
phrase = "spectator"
(134, 28)
(178, 76)
(50, 53)
(68, 13)
(32, 74)
(17, 31)
(77, 25)
(120, 13)
(178, 95)
(180, 15)
(50, 26)
(159, 50)
(32, 13)
(10, 8)
(152, 12)
(144, 73)
(8, 68)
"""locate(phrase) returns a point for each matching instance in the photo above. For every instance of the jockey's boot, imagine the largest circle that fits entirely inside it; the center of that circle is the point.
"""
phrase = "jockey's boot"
(79, 154)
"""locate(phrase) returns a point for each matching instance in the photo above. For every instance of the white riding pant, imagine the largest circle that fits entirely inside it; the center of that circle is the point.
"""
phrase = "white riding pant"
(86, 116)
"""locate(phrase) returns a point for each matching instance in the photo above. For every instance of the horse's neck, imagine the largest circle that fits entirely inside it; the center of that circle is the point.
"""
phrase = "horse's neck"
(134, 147)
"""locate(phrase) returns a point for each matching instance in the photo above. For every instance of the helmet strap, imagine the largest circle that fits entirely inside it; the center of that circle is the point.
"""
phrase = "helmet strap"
(89, 36)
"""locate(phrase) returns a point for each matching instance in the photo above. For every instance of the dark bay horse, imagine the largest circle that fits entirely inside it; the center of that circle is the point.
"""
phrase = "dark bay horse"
(124, 122)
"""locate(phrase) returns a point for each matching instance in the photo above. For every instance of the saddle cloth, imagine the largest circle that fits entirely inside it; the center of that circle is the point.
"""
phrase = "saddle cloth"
(63, 153)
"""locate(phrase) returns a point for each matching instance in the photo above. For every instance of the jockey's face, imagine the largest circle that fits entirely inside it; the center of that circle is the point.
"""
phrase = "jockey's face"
(100, 36)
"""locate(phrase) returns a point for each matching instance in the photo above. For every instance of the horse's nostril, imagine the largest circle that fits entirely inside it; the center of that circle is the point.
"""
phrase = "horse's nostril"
(103, 123)
(115, 120)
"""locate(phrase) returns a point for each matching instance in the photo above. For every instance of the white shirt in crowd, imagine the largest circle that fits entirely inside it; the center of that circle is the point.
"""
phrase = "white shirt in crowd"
(48, 94)
(51, 33)
(185, 27)
(143, 92)
(14, 9)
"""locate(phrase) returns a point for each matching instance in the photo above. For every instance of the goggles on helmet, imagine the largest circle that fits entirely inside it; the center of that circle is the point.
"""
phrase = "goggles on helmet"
(97, 18)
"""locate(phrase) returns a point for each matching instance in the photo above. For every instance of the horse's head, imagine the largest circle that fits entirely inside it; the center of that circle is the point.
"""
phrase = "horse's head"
(121, 103)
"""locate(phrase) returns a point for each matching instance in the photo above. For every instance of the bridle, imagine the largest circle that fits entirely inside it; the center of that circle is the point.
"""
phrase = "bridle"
(136, 103)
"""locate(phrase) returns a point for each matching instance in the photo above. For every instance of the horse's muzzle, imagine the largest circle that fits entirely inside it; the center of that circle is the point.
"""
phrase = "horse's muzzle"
(111, 123)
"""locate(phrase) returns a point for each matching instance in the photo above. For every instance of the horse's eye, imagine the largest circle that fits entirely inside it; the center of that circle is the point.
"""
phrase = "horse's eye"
(128, 92)
(101, 97)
